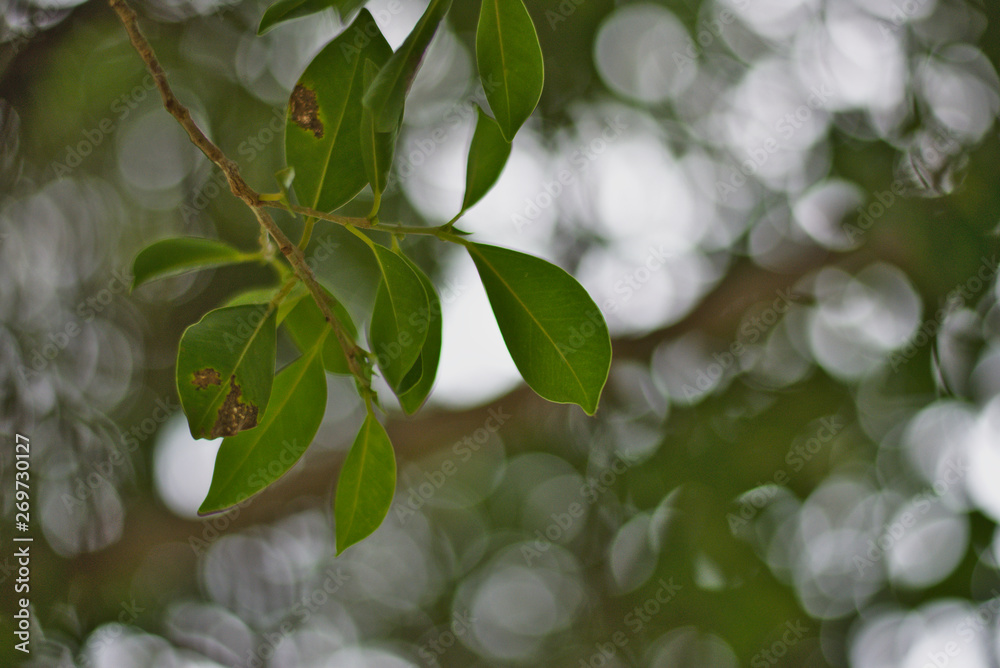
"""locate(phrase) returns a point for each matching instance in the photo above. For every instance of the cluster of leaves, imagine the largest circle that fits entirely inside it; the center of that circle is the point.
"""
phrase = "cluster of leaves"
(344, 117)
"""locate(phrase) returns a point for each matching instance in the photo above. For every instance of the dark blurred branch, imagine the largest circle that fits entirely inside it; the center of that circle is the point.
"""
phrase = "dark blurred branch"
(239, 187)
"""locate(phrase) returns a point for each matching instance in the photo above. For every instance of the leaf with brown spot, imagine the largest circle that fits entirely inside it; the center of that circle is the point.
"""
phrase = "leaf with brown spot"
(234, 415)
(205, 377)
(236, 343)
(304, 110)
(252, 460)
(323, 129)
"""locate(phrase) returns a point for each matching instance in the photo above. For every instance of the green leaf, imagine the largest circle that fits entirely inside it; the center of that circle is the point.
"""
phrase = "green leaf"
(487, 156)
(366, 485)
(510, 62)
(170, 257)
(322, 132)
(553, 329)
(306, 324)
(387, 94)
(252, 460)
(420, 378)
(344, 265)
(286, 10)
(225, 368)
(265, 295)
(396, 334)
(377, 148)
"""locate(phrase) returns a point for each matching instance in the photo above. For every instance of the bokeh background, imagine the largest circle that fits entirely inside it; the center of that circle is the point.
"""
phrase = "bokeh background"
(787, 210)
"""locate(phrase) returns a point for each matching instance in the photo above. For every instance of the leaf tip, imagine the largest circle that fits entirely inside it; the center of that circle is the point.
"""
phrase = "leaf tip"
(209, 506)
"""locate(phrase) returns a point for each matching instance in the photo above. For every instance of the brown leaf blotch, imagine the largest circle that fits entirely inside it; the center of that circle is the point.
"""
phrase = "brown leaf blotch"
(304, 110)
(234, 415)
(205, 377)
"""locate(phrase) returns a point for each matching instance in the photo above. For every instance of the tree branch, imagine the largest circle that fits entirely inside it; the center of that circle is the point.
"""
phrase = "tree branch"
(239, 187)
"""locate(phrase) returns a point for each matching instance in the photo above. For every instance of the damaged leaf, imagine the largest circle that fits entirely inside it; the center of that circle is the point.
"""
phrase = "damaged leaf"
(323, 129)
(225, 368)
(235, 415)
(205, 377)
(304, 110)
(250, 461)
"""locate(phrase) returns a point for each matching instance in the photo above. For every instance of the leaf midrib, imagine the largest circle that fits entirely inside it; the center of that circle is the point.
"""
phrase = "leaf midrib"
(431, 297)
(392, 302)
(356, 491)
(503, 63)
(369, 121)
(410, 46)
(388, 291)
(210, 253)
(472, 173)
(336, 134)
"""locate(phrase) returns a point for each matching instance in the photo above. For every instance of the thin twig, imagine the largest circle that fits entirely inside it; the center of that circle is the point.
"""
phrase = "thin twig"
(440, 232)
(313, 213)
(443, 232)
(239, 187)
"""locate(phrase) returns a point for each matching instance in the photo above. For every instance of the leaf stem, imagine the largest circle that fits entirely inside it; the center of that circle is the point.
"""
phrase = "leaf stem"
(280, 267)
(360, 235)
(307, 232)
(130, 20)
(319, 215)
(281, 294)
(369, 397)
(441, 231)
